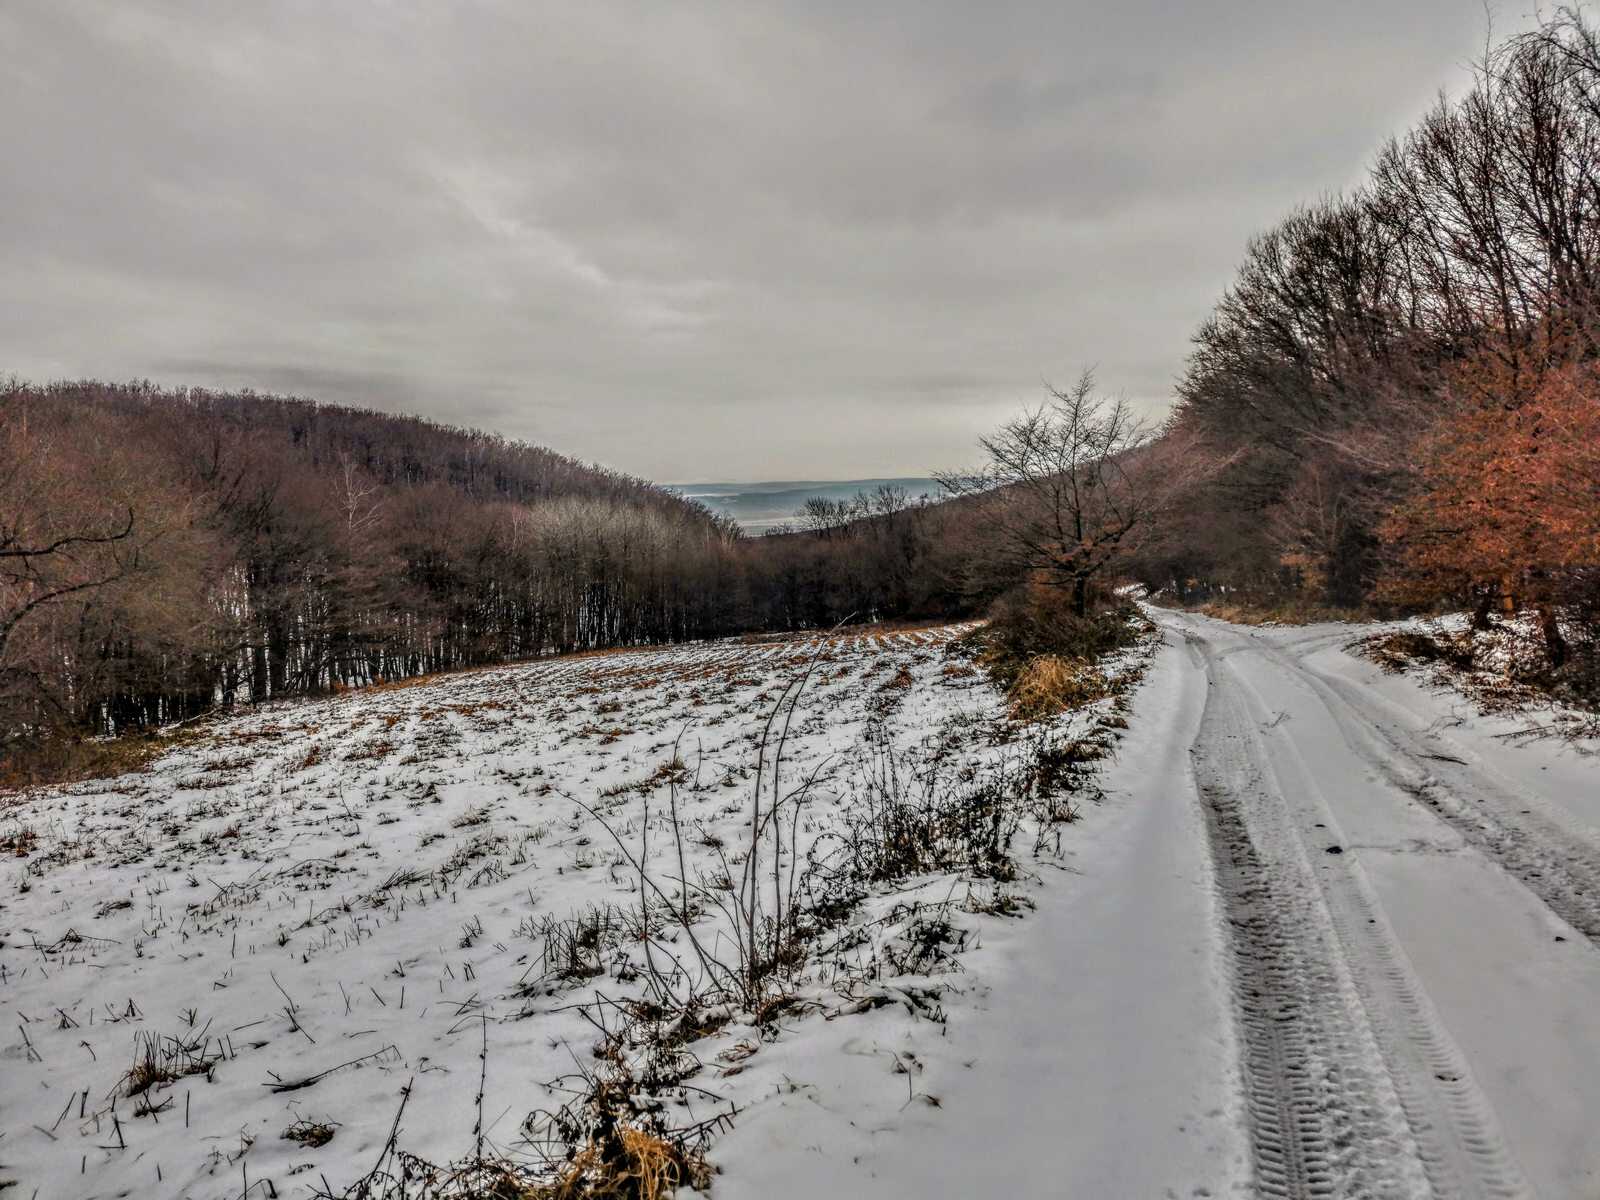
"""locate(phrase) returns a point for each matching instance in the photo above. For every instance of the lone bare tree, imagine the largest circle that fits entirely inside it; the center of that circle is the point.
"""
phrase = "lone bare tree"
(1069, 486)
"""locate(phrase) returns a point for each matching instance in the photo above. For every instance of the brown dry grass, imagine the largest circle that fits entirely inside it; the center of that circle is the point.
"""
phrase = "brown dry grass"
(1050, 685)
(1280, 612)
(159, 1060)
(901, 681)
(60, 761)
(631, 1163)
(19, 842)
(648, 1167)
(1396, 651)
(311, 1134)
(370, 751)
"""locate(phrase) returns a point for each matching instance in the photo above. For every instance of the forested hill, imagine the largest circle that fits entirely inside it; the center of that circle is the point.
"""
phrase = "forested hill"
(396, 450)
(164, 550)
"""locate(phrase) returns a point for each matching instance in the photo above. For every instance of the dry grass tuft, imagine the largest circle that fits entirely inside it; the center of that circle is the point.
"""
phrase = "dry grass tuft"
(19, 842)
(901, 681)
(672, 771)
(313, 1134)
(618, 1160)
(1394, 652)
(370, 751)
(1050, 685)
(159, 1060)
(631, 1164)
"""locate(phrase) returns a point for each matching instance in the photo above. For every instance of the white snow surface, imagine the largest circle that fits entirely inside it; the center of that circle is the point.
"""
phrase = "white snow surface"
(380, 863)
(1454, 877)
(1431, 893)
(1108, 1055)
(1098, 1060)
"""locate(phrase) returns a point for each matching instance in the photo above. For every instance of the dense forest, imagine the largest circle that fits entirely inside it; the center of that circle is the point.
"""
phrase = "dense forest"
(1400, 393)
(163, 552)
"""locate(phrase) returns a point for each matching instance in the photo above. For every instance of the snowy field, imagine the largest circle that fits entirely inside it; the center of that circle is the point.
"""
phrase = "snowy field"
(216, 977)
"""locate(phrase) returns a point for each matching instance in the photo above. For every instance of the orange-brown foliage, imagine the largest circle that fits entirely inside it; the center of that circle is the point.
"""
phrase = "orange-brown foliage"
(1509, 506)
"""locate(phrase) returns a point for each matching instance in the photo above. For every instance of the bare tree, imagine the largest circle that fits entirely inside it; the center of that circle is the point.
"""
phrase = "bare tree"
(356, 492)
(1065, 489)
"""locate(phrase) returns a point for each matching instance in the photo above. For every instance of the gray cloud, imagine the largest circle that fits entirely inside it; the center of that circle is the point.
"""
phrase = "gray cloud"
(690, 240)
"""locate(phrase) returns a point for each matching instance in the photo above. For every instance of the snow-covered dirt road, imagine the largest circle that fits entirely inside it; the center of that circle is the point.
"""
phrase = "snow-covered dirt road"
(1409, 907)
(1330, 937)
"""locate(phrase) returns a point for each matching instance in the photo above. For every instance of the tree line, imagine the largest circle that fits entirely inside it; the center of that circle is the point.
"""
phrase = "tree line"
(167, 551)
(1399, 394)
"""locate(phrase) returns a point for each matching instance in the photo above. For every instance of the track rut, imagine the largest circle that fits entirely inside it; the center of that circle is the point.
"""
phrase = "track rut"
(1352, 1086)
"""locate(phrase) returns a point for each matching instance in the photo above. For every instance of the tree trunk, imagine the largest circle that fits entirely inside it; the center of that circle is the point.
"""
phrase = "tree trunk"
(1555, 646)
(1480, 613)
(258, 673)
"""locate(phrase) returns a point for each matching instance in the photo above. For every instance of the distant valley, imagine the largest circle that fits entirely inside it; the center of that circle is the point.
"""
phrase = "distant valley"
(759, 507)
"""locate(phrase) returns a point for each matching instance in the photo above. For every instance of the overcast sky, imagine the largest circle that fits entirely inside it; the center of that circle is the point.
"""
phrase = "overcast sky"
(692, 241)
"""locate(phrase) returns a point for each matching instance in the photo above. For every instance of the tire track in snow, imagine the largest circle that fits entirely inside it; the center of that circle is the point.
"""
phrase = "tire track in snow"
(1322, 1121)
(1458, 1136)
(1352, 1088)
(1555, 864)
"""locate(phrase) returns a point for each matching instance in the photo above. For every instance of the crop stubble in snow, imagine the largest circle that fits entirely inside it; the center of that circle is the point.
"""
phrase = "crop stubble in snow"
(322, 900)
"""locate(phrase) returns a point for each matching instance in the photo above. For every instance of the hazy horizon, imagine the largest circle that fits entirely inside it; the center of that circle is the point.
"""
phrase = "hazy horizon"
(761, 505)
